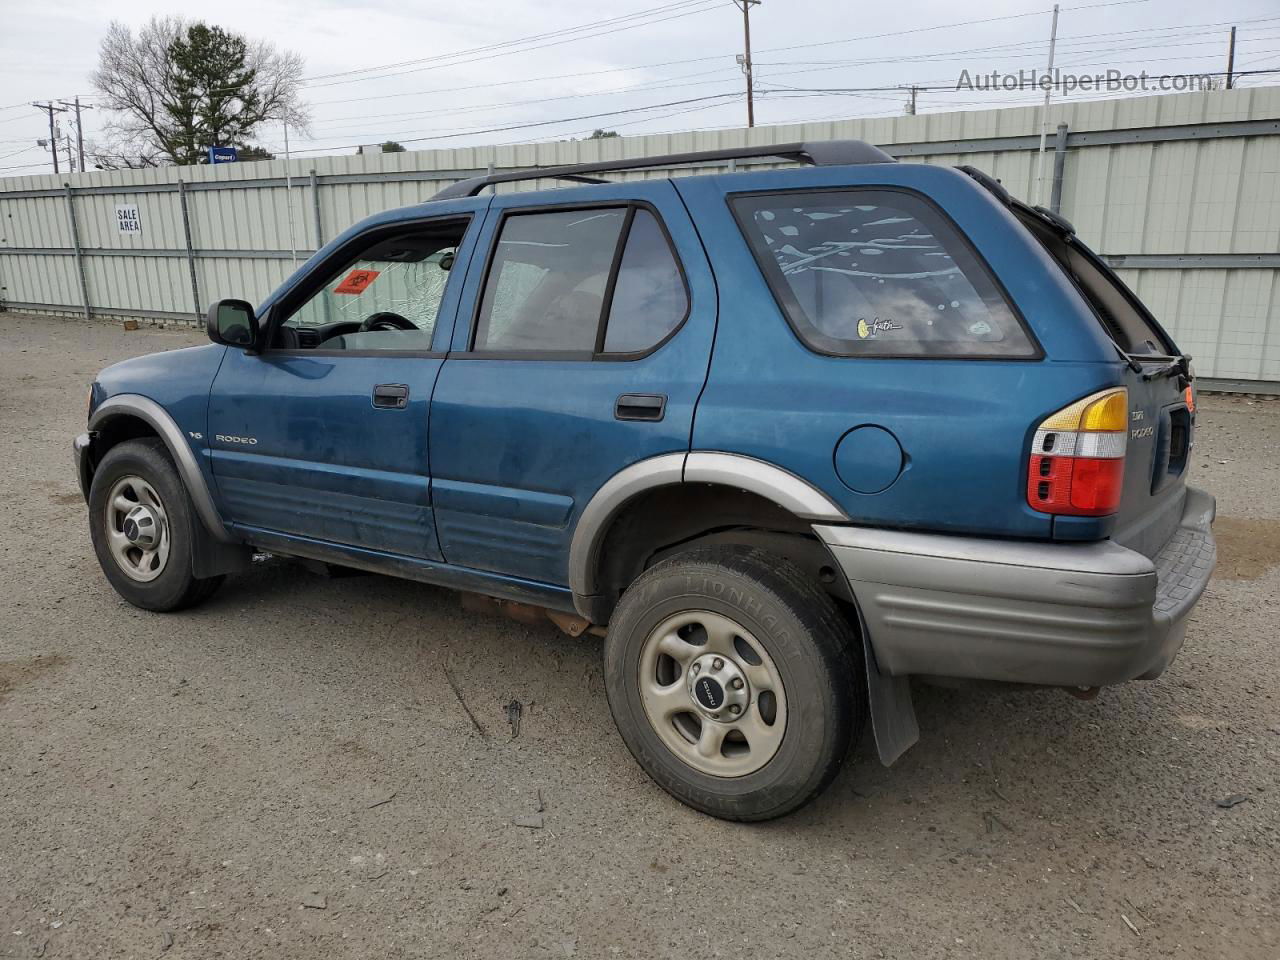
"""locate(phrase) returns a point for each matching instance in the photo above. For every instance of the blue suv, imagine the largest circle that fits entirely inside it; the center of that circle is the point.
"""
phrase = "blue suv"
(785, 438)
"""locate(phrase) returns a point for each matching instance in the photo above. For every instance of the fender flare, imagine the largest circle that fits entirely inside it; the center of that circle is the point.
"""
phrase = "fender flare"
(698, 466)
(154, 415)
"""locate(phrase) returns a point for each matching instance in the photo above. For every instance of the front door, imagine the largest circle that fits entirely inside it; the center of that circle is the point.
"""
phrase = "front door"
(581, 348)
(324, 435)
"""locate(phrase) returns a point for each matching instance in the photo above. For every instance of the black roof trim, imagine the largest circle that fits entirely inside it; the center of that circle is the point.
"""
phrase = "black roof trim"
(819, 153)
(1055, 220)
(997, 189)
(992, 185)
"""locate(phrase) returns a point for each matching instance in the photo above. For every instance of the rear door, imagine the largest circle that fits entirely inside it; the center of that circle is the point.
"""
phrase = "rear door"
(581, 348)
(1158, 378)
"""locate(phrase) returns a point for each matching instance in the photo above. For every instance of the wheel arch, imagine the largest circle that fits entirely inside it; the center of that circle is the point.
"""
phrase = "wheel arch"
(764, 506)
(130, 416)
(669, 501)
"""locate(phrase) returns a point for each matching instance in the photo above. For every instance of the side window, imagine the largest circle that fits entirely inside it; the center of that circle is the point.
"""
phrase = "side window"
(864, 272)
(649, 297)
(387, 298)
(547, 281)
(557, 284)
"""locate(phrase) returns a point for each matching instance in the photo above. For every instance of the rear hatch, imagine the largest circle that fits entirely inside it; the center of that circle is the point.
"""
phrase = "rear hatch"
(1158, 378)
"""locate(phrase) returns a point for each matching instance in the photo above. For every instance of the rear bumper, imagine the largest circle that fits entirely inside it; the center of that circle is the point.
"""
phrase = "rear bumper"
(1043, 613)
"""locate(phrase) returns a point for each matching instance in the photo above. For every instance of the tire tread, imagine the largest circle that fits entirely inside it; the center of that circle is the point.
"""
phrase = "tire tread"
(822, 622)
(170, 591)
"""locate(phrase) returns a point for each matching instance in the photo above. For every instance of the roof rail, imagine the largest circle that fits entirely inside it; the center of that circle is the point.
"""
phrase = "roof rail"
(820, 153)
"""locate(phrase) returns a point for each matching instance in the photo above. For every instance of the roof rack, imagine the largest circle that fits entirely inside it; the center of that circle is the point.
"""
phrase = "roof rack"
(820, 153)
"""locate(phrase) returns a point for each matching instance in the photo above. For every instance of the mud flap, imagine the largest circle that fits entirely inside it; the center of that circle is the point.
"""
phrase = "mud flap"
(211, 557)
(893, 715)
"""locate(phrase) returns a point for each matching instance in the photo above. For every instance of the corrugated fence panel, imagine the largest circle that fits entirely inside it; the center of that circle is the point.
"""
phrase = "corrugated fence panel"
(40, 279)
(1226, 319)
(34, 221)
(159, 217)
(139, 283)
(244, 279)
(1185, 177)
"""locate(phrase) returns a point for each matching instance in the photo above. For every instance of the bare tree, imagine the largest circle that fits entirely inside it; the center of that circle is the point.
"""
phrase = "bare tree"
(179, 87)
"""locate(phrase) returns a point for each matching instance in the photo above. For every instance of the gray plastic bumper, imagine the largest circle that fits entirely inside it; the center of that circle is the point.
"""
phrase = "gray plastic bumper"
(1044, 613)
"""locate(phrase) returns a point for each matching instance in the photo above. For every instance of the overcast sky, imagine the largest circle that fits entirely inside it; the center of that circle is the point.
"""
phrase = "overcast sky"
(643, 65)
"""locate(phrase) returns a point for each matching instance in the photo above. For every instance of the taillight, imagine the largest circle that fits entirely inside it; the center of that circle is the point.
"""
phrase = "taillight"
(1077, 457)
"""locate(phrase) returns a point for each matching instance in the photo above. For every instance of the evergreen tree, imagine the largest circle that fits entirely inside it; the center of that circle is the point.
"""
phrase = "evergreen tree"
(179, 87)
(216, 102)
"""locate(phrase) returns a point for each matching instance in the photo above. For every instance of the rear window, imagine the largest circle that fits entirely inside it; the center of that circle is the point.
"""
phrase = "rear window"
(864, 272)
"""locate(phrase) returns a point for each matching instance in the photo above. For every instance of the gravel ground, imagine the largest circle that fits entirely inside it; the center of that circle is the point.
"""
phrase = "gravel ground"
(290, 771)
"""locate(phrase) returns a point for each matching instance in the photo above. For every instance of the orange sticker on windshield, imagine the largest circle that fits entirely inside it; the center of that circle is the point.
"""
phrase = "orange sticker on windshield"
(357, 281)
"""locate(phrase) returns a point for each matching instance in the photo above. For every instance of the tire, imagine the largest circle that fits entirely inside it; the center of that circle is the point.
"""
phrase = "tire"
(776, 616)
(159, 577)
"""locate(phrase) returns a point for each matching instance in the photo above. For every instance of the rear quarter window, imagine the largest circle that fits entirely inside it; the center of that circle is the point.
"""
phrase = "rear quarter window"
(869, 272)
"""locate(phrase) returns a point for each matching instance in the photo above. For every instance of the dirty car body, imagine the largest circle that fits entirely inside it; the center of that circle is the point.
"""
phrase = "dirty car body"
(888, 397)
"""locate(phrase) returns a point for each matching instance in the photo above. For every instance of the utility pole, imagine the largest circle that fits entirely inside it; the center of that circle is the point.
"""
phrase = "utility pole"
(745, 60)
(1044, 111)
(1231, 59)
(50, 109)
(911, 104)
(76, 105)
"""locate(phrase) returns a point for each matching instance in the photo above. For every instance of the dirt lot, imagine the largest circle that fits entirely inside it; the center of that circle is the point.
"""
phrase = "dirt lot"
(288, 772)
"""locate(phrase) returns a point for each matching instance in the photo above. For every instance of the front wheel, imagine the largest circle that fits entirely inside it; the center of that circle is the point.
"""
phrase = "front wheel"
(141, 523)
(734, 681)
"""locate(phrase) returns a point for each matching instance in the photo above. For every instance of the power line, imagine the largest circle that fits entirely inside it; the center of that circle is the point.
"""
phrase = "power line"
(542, 46)
(940, 26)
(23, 166)
(539, 123)
(713, 4)
(687, 8)
(525, 81)
(916, 58)
(668, 7)
(659, 84)
(895, 89)
(1073, 45)
(16, 152)
(707, 5)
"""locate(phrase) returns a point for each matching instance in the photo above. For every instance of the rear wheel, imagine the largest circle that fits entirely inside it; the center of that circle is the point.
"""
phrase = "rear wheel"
(734, 681)
(141, 523)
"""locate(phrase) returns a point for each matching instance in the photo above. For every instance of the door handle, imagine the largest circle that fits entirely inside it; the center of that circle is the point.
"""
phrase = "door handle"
(640, 406)
(391, 396)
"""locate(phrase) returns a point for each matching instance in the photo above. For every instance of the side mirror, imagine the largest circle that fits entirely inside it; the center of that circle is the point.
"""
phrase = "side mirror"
(232, 323)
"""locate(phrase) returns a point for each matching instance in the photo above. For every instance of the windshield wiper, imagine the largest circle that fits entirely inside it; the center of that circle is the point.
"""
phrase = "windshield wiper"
(1181, 366)
(1130, 362)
